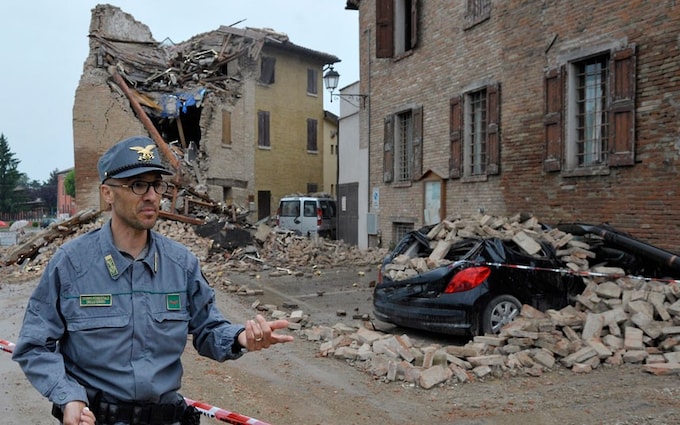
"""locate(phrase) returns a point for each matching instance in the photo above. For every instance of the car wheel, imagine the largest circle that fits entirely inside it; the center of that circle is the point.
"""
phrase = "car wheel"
(499, 312)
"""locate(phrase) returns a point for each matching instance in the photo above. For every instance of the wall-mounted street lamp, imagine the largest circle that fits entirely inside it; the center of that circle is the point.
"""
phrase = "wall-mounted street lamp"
(330, 81)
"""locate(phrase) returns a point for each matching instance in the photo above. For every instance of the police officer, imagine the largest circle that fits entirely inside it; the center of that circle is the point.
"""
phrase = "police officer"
(107, 324)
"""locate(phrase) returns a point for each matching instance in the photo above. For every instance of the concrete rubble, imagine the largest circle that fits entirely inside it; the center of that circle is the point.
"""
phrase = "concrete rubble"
(256, 248)
(622, 321)
(615, 320)
(523, 229)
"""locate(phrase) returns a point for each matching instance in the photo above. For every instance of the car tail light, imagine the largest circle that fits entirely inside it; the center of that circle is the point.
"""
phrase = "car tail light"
(467, 279)
(278, 215)
(380, 275)
(319, 217)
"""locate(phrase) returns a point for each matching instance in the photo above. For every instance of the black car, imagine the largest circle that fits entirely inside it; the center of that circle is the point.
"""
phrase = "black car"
(489, 279)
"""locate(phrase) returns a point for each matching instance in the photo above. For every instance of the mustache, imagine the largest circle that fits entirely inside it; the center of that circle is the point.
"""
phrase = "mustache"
(147, 204)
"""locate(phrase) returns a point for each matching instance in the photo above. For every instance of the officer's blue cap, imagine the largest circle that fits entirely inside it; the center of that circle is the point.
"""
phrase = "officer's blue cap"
(130, 157)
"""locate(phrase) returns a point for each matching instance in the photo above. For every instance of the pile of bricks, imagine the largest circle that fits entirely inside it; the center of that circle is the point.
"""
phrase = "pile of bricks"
(270, 250)
(522, 229)
(627, 320)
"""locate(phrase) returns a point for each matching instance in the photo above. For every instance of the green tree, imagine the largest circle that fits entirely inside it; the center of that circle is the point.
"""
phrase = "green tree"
(54, 178)
(47, 191)
(10, 177)
(70, 184)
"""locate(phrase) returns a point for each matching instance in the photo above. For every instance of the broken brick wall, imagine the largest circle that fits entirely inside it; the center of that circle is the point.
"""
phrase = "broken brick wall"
(101, 117)
(228, 145)
(215, 76)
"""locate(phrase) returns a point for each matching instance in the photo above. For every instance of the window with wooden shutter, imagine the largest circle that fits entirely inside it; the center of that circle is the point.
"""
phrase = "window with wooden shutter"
(267, 70)
(384, 20)
(622, 108)
(414, 24)
(417, 145)
(263, 129)
(312, 81)
(396, 27)
(552, 120)
(403, 146)
(455, 137)
(226, 127)
(590, 113)
(312, 145)
(493, 133)
(388, 150)
(476, 11)
(475, 150)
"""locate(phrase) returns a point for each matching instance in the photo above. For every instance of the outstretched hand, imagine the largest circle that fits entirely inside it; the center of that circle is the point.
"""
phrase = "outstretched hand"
(260, 333)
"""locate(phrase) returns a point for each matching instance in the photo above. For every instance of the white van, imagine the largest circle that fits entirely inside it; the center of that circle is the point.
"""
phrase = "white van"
(307, 215)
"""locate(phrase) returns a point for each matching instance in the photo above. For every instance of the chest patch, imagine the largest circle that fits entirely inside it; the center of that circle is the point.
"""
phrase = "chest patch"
(96, 300)
(173, 302)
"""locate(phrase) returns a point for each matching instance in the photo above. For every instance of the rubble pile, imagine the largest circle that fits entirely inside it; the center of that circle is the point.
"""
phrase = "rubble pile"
(281, 251)
(270, 248)
(523, 229)
(26, 260)
(627, 320)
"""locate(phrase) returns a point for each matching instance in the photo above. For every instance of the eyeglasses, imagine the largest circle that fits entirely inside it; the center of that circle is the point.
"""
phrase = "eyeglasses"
(140, 187)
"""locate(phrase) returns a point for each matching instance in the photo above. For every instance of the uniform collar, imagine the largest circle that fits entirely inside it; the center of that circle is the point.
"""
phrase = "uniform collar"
(116, 263)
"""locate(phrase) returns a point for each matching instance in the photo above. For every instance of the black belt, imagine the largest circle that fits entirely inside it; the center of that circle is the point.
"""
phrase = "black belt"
(135, 414)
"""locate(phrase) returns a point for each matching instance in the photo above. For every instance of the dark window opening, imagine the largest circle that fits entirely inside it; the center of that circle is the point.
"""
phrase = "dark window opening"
(263, 129)
(312, 135)
(183, 130)
(267, 70)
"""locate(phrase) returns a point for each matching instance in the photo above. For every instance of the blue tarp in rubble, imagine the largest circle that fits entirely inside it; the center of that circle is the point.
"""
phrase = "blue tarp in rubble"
(172, 104)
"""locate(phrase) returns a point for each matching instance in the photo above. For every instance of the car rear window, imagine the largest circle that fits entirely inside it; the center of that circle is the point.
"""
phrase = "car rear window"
(327, 209)
(310, 209)
(290, 208)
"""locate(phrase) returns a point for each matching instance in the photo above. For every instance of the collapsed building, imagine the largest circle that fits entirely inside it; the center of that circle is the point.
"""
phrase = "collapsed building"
(217, 106)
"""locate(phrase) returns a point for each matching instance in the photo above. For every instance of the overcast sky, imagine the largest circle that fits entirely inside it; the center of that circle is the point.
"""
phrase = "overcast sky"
(43, 45)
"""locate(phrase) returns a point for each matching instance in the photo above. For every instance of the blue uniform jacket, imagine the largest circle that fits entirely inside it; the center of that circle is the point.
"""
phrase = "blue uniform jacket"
(100, 319)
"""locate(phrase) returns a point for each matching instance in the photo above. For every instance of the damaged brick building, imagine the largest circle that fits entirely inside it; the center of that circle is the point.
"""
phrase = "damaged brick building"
(230, 108)
(567, 110)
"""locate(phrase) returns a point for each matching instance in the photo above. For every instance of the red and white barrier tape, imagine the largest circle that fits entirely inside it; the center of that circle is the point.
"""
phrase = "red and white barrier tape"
(6, 346)
(223, 415)
(206, 409)
(570, 271)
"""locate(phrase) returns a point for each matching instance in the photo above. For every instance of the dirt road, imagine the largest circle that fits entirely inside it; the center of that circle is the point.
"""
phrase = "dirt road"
(291, 384)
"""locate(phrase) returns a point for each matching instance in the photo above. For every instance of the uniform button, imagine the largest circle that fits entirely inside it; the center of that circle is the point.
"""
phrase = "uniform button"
(61, 396)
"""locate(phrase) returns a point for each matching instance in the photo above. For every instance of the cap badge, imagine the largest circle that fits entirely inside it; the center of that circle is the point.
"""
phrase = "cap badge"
(145, 153)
